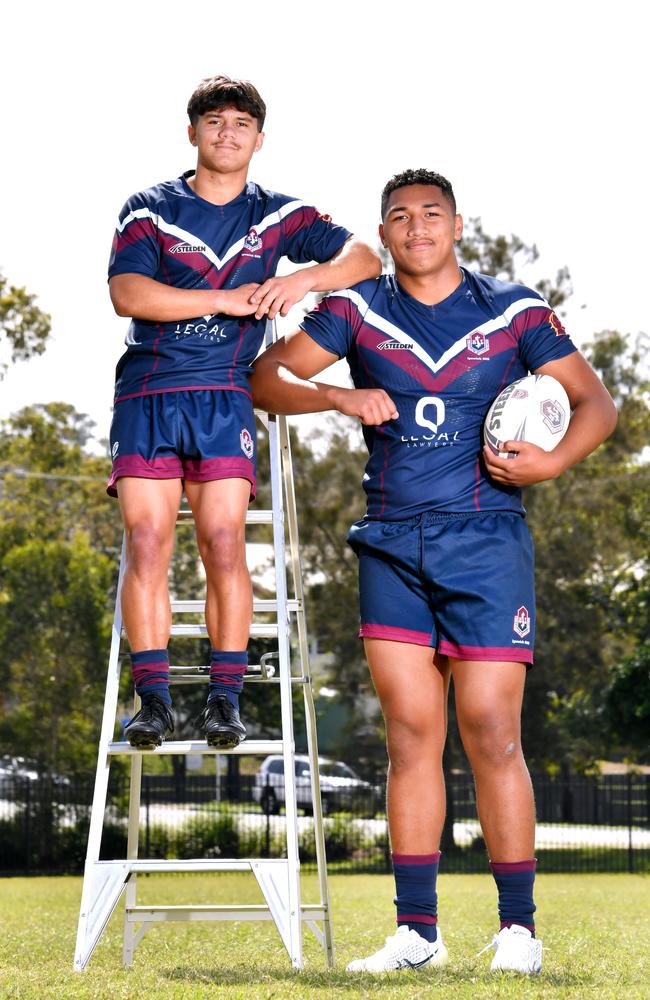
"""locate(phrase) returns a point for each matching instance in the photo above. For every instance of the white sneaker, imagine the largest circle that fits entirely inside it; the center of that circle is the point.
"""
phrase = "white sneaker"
(404, 950)
(517, 950)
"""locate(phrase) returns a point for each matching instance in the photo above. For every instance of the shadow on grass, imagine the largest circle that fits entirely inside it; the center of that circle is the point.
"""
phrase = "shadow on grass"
(224, 975)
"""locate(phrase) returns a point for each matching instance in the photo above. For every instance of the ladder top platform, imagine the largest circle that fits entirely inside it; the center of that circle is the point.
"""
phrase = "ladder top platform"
(250, 747)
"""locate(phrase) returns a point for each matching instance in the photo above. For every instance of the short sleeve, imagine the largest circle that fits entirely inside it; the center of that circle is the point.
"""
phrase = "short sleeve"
(135, 248)
(541, 336)
(309, 236)
(334, 323)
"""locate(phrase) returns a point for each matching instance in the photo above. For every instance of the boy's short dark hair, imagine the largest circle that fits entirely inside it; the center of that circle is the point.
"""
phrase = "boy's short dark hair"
(217, 92)
(420, 176)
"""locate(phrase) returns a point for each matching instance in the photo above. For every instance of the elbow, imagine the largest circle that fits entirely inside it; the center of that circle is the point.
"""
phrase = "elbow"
(612, 417)
(256, 383)
(266, 385)
(125, 293)
(368, 259)
(121, 309)
(120, 302)
(373, 262)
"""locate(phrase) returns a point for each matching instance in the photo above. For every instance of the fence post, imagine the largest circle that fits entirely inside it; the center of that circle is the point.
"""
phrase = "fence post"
(147, 802)
(630, 822)
(388, 860)
(267, 829)
(28, 825)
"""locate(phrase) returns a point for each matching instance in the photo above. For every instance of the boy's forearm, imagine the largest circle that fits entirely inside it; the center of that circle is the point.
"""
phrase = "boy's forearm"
(141, 297)
(355, 262)
(278, 390)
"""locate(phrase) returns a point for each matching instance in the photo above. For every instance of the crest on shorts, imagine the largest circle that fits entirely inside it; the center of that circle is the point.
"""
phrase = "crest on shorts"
(253, 242)
(553, 415)
(116, 448)
(246, 443)
(478, 343)
(521, 622)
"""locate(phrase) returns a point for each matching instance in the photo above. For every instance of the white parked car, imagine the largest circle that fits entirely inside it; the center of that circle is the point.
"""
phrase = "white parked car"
(341, 789)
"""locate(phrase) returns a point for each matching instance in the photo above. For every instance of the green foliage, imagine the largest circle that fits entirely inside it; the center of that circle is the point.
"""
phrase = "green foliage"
(59, 538)
(50, 485)
(627, 704)
(591, 539)
(24, 327)
(54, 631)
(345, 840)
(505, 256)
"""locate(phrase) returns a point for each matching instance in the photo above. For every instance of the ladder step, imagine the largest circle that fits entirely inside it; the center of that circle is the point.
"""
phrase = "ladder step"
(251, 747)
(252, 517)
(259, 606)
(249, 678)
(246, 911)
(195, 864)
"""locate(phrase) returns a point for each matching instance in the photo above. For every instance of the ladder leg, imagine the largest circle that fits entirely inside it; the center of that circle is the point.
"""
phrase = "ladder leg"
(286, 699)
(101, 781)
(129, 943)
(310, 711)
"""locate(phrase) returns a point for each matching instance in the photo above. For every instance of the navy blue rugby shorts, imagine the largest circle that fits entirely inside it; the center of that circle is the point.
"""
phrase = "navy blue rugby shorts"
(461, 583)
(197, 435)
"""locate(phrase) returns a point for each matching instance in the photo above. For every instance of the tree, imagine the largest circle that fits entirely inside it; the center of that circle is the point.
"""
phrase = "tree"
(54, 632)
(24, 327)
(591, 538)
(50, 485)
(59, 536)
(505, 256)
(627, 704)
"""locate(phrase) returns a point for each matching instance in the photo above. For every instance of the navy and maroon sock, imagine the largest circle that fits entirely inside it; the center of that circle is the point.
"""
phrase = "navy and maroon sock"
(150, 672)
(416, 898)
(515, 880)
(227, 675)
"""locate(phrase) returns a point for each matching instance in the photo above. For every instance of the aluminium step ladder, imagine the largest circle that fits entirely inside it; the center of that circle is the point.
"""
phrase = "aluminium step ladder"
(278, 879)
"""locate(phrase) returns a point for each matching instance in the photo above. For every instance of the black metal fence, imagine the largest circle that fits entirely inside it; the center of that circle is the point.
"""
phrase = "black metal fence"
(585, 824)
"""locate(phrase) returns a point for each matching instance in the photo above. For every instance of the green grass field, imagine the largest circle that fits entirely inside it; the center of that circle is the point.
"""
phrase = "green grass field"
(596, 929)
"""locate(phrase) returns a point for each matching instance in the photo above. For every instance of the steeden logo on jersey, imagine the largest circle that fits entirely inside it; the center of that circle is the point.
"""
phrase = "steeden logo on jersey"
(394, 345)
(183, 247)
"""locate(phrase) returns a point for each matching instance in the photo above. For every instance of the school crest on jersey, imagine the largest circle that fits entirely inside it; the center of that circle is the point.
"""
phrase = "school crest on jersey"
(521, 622)
(253, 242)
(246, 442)
(477, 343)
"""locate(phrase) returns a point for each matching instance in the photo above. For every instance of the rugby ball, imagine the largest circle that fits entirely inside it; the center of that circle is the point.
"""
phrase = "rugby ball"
(535, 408)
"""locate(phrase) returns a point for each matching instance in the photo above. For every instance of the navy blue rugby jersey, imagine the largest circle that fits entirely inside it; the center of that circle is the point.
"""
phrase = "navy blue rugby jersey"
(169, 233)
(442, 366)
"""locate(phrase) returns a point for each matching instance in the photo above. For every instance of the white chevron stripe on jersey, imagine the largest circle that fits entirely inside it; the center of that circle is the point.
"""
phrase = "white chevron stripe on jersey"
(490, 326)
(509, 314)
(166, 227)
(396, 333)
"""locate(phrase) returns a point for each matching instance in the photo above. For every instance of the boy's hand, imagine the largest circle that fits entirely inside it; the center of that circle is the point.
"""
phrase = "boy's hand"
(278, 295)
(531, 464)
